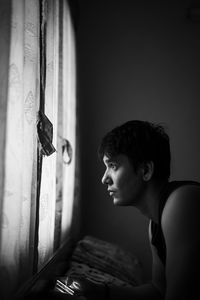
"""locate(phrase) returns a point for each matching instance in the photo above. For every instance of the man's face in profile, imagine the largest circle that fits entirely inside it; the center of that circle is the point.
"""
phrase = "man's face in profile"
(124, 184)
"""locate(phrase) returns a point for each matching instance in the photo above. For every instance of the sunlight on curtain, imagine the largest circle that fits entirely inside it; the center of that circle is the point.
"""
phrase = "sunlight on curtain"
(20, 149)
(69, 118)
(60, 108)
(27, 231)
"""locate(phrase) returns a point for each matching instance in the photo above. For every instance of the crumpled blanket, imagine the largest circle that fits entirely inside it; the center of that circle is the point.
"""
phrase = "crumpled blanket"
(103, 262)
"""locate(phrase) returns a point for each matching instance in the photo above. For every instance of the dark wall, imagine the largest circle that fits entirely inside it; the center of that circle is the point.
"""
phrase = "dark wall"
(136, 60)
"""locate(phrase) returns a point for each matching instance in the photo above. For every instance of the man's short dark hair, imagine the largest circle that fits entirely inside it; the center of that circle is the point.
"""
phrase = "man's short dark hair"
(141, 141)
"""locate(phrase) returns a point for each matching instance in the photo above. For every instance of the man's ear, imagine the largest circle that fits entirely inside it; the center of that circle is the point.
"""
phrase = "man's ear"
(148, 169)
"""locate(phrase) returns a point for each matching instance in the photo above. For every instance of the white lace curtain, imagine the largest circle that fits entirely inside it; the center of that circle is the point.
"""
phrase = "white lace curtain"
(27, 215)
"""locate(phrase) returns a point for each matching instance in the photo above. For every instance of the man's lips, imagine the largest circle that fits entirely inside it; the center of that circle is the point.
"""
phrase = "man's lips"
(111, 192)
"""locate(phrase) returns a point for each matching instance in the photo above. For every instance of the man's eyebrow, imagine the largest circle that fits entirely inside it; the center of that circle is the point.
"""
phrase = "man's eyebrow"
(111, 160)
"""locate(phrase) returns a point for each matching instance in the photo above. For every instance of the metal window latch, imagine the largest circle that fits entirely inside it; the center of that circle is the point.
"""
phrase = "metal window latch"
(45, 134)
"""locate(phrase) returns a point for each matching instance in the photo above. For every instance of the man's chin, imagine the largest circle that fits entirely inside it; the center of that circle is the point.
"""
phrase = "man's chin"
(117, 201)
(121, 202)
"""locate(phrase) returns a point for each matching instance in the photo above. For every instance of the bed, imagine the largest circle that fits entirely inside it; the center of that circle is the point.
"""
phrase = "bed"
(98, 261)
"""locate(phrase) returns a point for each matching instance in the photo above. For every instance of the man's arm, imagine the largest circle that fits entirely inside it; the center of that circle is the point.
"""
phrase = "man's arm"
(150, 291)
(154, 290)
(181, 223)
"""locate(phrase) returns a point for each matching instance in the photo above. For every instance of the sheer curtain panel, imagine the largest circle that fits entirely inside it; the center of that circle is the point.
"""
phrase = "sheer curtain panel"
(38, 82)
(19, 190)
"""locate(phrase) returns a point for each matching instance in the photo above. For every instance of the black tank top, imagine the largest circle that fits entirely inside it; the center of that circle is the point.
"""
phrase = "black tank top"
(156, 231)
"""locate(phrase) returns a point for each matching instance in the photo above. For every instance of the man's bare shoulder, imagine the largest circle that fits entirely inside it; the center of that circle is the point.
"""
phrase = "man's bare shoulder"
(183, 202)
(180, 224)
(182, 210)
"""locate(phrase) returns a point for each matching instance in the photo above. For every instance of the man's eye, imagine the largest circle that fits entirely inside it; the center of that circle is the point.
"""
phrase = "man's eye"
(113, 166)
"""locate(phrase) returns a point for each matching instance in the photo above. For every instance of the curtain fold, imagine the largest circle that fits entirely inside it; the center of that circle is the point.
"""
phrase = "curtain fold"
(69, 118)
(20, 146)
(48, 179)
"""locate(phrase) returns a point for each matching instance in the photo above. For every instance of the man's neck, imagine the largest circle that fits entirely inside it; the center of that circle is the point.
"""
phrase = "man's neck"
(149, 206)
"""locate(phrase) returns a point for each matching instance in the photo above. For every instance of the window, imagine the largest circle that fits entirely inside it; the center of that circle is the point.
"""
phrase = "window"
(37, 190)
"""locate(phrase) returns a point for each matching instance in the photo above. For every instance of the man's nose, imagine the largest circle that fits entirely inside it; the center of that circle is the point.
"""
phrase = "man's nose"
(106, 178)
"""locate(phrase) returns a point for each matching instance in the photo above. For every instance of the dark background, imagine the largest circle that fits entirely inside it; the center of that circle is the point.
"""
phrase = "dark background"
(136, 60)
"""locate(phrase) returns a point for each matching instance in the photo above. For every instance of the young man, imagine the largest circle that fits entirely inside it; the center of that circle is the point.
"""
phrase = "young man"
(137, 160)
